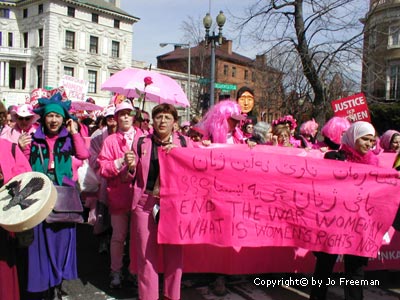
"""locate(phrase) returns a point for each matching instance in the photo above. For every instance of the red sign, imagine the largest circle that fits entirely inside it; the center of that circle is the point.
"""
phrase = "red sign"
(36, 94)
(354, 107)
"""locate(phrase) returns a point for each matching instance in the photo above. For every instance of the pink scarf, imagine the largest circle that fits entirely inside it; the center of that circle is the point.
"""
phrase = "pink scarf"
(353, 156)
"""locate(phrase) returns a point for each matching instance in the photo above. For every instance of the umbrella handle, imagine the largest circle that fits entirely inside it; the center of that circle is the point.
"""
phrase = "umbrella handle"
(144, 100)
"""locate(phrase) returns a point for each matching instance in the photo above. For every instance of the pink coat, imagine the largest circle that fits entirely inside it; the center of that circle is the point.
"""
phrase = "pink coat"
(119, 181)
(143, 165)
(13, 134)
(11, 166)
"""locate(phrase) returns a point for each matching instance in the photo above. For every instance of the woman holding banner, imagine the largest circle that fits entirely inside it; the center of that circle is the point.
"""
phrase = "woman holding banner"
(145, 206)
(356, 146)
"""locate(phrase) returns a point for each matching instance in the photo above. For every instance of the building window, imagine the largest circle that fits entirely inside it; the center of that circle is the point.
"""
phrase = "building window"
(95, 18)
(40, 36)
(115, 49)
(40, 9)
(116, 23)
(10, 39)
(5, 13)
(69, 39)
(25, 13)
(12, 77)
(394, 36)
(94, 44)
(246, 74)
(71, 11)
(1, 38)
(394, 82)
(69, 71)
(25, 38)
(226, 70)
(233, 71)
(253, 77)
(92, 78)
(372, 38)
(39, 71)
(23, 79)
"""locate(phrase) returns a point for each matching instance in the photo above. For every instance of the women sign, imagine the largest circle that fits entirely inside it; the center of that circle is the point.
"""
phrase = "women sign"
(354, 107)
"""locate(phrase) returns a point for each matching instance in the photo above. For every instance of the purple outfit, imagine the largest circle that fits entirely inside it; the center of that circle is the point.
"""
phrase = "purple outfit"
(52, 255)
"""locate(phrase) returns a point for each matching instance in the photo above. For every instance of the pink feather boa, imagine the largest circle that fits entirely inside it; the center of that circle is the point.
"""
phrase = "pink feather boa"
(352, 155)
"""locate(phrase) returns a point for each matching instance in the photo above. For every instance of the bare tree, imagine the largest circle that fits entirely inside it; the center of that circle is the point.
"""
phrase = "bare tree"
(322, 38)
(193, 30)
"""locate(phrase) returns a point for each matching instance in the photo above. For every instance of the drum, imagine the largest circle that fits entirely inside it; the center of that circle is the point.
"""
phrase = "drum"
(25, 201)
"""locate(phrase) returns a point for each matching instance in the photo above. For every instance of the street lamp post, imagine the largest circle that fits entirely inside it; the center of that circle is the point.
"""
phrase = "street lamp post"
(212, 39)
(189, 88)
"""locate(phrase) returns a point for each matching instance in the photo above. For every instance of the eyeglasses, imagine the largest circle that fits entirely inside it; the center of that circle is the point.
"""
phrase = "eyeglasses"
(24, 118)
(146, 120)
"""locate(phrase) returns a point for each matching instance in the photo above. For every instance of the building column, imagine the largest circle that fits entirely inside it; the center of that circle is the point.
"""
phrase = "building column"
(2, 73)
(28, 85)
(6, 74)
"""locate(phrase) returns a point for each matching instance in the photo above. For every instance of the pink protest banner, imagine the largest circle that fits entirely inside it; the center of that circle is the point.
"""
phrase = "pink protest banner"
(354, 107)
(237, 197)
(257, 260)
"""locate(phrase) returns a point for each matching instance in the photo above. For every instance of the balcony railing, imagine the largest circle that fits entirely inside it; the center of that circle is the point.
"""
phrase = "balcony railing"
(15, 52)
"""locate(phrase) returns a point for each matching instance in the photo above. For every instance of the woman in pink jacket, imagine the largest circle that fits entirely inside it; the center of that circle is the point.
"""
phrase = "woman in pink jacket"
(146, 199)
(115, 160)
(12, 163)
(25, 125)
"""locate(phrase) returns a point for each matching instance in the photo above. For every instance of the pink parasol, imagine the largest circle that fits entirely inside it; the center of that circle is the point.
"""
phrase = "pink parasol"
(162, 89)
(82, 105)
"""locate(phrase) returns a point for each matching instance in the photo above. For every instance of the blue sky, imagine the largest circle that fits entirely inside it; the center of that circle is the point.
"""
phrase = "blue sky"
(161, 22)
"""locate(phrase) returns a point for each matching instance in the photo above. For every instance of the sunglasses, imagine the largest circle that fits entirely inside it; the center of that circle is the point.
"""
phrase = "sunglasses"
(146, 120)
(24, 118)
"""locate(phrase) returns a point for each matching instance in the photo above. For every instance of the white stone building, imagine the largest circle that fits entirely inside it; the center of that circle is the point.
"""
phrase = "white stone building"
(381, 62)
(41, 41)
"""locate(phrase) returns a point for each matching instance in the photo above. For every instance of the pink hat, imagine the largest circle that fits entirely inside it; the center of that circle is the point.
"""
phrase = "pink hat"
(238, 117)
(122, 106)
(184, 124)
(24, 110)
(109, 111)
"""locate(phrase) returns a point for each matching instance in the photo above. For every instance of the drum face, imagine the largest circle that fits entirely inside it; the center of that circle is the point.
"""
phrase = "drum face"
(25, 201)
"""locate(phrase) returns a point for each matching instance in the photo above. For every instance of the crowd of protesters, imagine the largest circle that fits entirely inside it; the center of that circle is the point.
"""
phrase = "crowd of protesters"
(114, 158)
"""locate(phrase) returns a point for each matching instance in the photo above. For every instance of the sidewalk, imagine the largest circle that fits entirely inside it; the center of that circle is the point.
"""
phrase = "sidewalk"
(93, 282)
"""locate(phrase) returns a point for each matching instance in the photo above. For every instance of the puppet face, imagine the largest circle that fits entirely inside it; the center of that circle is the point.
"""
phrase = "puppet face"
(246, 102)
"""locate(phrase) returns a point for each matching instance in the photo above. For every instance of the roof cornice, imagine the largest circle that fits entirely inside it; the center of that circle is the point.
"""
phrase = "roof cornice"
(121, 15)
(103, 10)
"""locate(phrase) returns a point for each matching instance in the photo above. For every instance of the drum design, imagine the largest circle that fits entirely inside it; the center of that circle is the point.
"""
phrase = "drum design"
(25, 201)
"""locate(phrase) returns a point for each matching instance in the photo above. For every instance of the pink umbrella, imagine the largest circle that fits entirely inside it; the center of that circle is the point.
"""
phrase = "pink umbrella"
(83, 105)
(163, 88)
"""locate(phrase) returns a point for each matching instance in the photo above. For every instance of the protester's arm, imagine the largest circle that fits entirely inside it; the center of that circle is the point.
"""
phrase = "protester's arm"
(81, 152)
